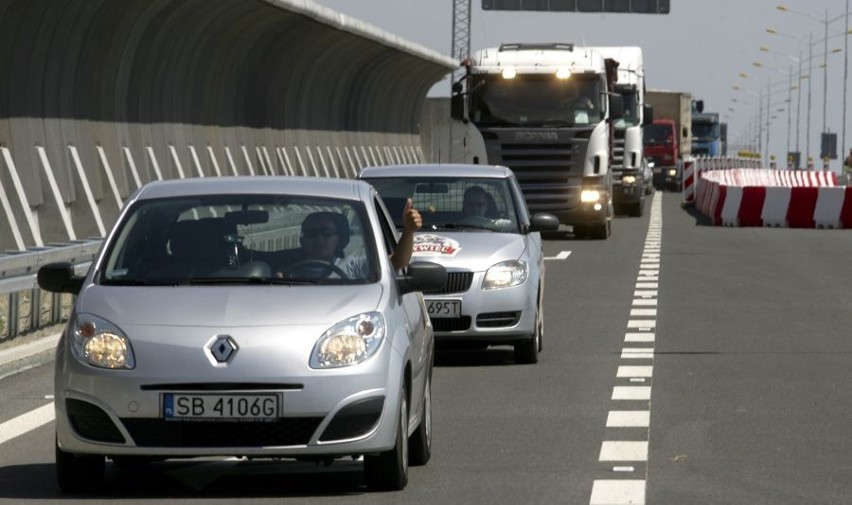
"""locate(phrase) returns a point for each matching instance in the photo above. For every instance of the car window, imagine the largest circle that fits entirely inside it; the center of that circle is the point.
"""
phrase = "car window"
(441, 202)
(241, 238)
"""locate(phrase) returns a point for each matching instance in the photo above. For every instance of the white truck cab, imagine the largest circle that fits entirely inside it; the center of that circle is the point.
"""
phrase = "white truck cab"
(544, 110)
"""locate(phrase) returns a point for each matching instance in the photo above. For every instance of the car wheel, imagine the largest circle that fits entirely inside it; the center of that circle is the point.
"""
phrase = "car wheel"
(600, 231)
(388, 471)
(78, 473)
(420, 442)
(527, 353)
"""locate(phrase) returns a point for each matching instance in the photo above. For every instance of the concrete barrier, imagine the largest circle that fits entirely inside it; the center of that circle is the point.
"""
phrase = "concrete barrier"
(761, 197)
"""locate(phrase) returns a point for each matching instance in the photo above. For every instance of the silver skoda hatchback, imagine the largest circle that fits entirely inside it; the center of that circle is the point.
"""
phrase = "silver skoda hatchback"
(207, 325)
(476, 224)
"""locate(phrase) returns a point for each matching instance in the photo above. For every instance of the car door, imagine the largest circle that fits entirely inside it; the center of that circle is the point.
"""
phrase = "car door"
(413, 310)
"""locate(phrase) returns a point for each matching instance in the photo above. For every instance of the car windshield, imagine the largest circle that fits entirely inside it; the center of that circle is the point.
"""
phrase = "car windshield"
(464, 203)
(242, 239)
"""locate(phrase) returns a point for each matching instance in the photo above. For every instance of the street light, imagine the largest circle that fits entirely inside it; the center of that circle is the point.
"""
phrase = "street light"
(826, 21)
(789, 96)
(769, 94)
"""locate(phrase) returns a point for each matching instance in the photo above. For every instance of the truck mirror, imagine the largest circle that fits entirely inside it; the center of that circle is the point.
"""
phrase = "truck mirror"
(457, 107)
(647, 114)
(616, 106)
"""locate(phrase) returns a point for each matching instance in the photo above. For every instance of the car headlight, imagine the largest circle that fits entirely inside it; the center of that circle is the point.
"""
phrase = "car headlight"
(590, 195)
(672, 172)
(628, 179)
(505, 275)
(99, 343)
(350, 341)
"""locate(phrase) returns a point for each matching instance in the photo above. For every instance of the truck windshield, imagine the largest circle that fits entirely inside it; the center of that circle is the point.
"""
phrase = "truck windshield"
(705, 131)
(536, 100)
(657, 134)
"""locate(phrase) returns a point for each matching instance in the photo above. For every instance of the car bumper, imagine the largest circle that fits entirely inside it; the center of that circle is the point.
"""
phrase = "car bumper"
(121, 412)
(489, 316)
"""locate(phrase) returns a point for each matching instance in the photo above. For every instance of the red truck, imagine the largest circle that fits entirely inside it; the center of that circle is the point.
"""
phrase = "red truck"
(668, 139)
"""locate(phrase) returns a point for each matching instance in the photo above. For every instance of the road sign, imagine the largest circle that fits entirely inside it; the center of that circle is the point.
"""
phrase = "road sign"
(614, 6)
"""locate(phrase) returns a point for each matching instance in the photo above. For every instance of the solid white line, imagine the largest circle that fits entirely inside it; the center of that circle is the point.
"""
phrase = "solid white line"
(624, 451)
(628, 419)
(618, 492)
(561, 256)
(26, 422)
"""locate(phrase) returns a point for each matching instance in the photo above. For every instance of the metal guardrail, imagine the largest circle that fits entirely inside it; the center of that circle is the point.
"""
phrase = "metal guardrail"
(24, 307)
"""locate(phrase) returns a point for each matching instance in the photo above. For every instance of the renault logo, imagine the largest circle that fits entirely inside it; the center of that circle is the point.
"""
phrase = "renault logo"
(222, 348)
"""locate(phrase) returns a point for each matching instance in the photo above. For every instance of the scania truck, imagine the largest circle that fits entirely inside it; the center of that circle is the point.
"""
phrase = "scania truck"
(544, 110)
(629, 186)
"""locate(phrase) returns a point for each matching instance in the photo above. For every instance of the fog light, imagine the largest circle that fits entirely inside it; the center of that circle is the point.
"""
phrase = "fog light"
(598, 206)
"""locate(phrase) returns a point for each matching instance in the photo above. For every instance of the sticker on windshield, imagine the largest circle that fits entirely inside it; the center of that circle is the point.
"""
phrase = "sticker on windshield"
(435, 245)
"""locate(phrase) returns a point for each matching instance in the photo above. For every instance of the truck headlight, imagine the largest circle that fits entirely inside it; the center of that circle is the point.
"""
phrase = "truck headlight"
(99, 343)
(505, 275)
(628, 179)
(590, 195)
(350, 341)
(672, 172)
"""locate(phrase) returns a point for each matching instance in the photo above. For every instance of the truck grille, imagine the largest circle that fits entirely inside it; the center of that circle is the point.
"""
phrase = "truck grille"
(549, 172)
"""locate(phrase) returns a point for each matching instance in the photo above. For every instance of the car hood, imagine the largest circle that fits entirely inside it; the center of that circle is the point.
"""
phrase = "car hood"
(228, 306)
(468, 250)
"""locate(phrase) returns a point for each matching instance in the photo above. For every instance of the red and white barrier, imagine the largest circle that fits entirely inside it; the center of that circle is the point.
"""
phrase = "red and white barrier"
(782, 198)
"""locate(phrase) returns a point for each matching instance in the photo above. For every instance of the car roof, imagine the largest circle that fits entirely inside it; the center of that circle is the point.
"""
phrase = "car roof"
(438, 170)
(286, 185)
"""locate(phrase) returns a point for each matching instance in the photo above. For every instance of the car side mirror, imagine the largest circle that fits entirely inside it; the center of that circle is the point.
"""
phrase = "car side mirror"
(542, 221)
(422, 276)
(60, 278)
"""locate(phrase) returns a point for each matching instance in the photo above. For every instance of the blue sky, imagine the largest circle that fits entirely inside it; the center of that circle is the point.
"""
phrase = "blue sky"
(701, 46)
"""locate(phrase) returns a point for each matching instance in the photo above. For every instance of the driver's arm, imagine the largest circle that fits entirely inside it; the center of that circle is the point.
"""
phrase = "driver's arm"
(412, 221)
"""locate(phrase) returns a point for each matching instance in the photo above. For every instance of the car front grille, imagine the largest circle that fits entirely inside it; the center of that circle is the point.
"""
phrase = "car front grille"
(161, 433)
(457, 282)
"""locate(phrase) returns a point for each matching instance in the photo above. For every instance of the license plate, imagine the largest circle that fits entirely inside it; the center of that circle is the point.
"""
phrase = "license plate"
(248, 407)
(443, 308)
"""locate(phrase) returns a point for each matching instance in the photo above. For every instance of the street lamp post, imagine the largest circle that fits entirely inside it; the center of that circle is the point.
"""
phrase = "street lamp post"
(789, 95)
(826, 21)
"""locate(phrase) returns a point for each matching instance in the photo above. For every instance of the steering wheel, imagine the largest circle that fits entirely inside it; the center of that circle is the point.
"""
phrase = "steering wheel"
(314, 266)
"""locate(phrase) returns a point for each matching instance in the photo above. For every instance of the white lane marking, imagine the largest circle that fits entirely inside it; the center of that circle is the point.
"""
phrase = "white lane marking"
(638, 337)
(631, 393)
(623, 469)
(645, 301)
(647, 285)
(643, 312)
(628, 419)
(619, 450)
(637, 354)
(26, 422)
(645, 293)
(561, 256)
(634, 371)
(642, 323)
(618, 492)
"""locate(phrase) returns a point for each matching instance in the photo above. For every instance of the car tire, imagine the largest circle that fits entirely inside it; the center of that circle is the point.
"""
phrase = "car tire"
(79, 473)
(526, 353)
(600, 231)
(420, 442)
(388, 471)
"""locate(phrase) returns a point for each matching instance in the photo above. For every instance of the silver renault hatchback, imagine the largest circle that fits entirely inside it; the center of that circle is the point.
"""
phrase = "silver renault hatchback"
(476, 224)
(246, 316)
